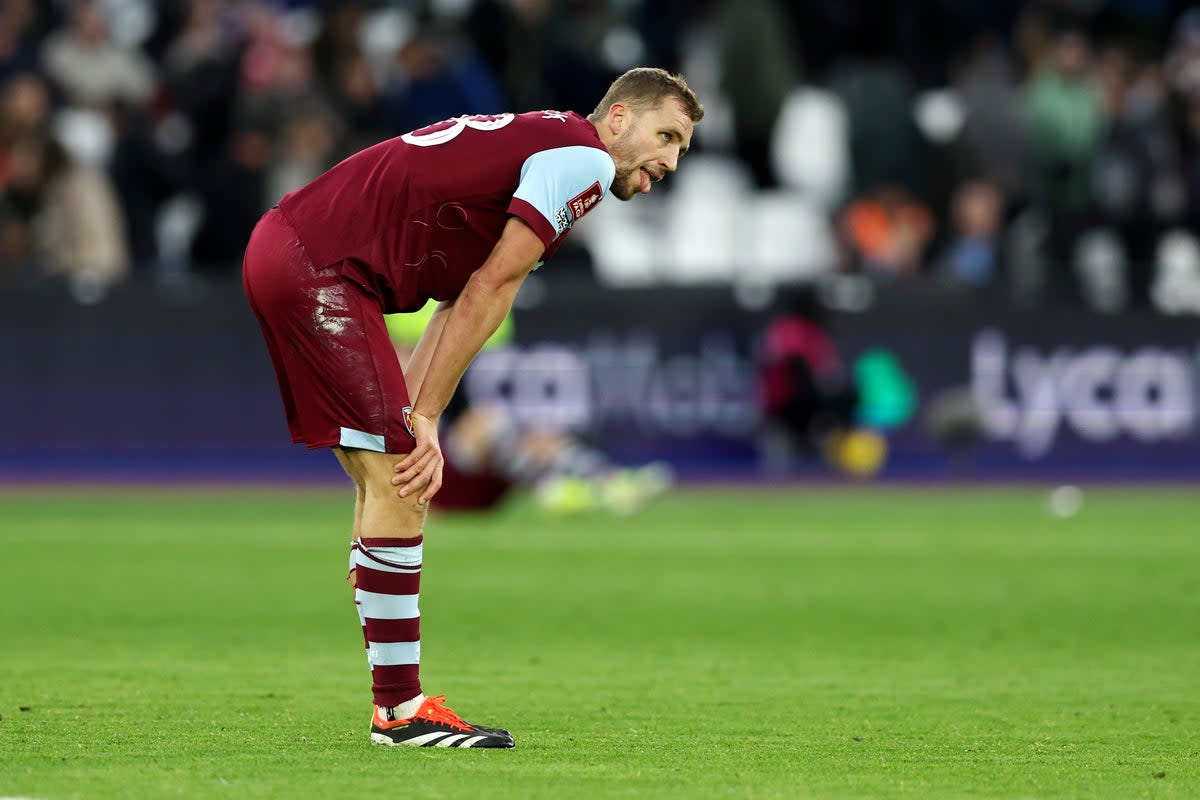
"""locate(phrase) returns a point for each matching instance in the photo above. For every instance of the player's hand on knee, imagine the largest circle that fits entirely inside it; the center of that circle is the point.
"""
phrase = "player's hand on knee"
(421, 470)
(423, 477)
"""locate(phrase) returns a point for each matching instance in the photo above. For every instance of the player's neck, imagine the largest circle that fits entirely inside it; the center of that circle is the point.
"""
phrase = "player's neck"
(607, 137)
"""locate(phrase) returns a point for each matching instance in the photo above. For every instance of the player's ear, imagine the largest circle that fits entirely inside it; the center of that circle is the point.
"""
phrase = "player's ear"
(618, 118)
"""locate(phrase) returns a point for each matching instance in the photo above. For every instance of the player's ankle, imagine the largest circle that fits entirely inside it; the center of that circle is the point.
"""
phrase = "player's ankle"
(408, 708)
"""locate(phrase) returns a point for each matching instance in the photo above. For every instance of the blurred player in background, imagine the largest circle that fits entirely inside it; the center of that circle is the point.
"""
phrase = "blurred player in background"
(487, 455)
(458, 212)
(810, 401)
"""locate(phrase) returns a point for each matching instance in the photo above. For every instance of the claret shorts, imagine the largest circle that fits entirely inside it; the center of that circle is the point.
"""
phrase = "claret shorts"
(339, 376)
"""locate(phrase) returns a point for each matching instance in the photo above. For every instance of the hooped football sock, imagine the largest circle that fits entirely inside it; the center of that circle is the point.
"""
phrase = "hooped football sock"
(352, 577)
(388, 582)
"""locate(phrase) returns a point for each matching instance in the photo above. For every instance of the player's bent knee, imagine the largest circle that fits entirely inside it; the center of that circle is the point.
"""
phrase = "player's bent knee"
(384, 506)
(385, 494)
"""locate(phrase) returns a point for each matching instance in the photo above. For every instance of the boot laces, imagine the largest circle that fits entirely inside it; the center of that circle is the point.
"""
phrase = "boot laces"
(434, 710)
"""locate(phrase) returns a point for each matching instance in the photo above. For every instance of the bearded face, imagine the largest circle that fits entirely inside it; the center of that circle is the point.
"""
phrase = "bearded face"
(624, 154)
(649, 147)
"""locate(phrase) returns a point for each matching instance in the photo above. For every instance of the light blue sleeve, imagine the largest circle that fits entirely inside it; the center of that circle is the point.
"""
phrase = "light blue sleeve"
(564, 183)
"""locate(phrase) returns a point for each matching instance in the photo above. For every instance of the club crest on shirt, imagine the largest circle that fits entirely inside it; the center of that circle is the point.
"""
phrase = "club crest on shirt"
(583, 202)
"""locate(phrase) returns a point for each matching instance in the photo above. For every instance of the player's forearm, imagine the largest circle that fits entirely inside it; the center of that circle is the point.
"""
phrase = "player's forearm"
(474, 317)
(418, 362)
(477, 313)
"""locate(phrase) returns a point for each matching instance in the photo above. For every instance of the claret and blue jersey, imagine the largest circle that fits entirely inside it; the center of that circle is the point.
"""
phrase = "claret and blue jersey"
(412, 217)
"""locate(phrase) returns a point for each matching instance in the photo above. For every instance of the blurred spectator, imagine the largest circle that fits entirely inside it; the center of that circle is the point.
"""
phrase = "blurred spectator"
(278, 73)
(233, 193)
(1065, 112)
(200, 74)
(20, 37)
(977, 216)
(24, 114)
(24, 108)
(993, 142)
(665, 26)
(885, 234)
(886, 148)
(438, 76)
(758, 71)
(67, 219)
(584, 46)
(146, 168)
(1136, 179)
(558, 55)
(339, 38)
(1064, 109)
(90, 68)
(1182, 62)
(358, 102)
(303, 151)
(510, 37)
(1182, 69)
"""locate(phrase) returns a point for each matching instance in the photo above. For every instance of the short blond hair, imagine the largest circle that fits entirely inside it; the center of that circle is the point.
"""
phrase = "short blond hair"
(644, 88)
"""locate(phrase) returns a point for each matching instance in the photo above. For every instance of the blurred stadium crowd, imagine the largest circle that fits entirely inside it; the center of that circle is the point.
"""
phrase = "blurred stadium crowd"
(1049, 147)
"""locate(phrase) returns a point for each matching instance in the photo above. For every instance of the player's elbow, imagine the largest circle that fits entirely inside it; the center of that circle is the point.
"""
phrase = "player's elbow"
(504, 272)
(497, 282)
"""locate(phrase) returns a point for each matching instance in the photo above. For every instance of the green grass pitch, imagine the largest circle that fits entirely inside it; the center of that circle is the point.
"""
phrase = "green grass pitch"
(855, 642)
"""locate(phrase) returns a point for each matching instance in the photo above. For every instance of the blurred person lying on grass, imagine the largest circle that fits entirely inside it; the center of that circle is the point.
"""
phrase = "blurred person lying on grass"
(488, 456)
